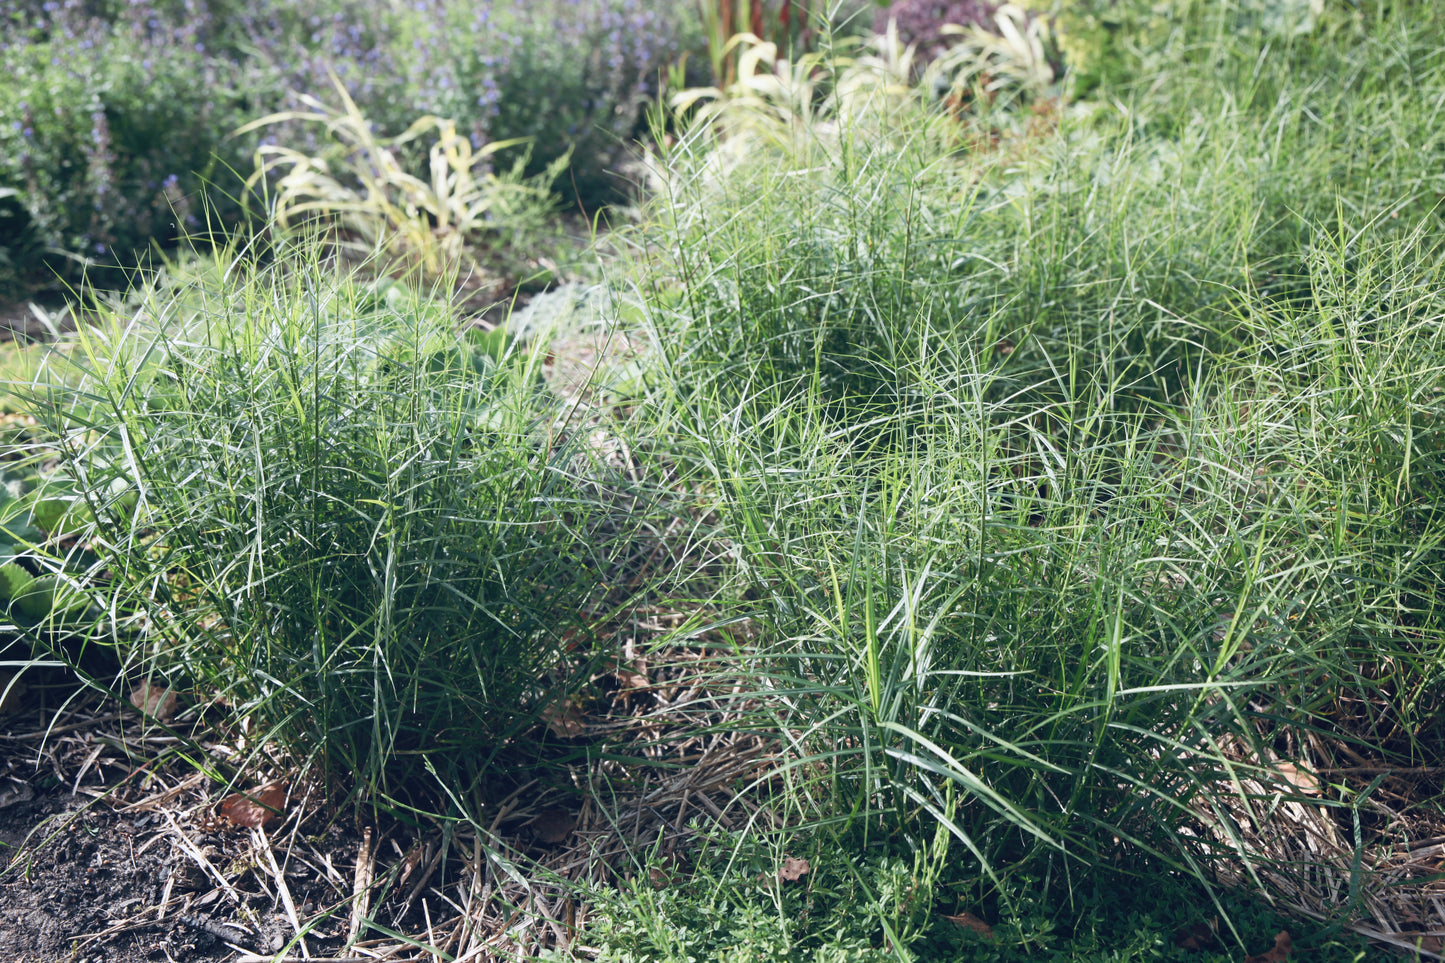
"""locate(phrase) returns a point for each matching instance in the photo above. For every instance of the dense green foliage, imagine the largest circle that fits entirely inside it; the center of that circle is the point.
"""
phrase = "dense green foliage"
(1083, 477)
(117, 121)
(116, 137)
(335, 513)
(1061, 482)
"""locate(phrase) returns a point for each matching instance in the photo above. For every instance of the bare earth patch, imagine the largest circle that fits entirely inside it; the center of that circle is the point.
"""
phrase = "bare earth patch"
(116, 849)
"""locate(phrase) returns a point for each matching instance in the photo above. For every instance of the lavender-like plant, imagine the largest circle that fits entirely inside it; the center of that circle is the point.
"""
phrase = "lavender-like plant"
(117, 119)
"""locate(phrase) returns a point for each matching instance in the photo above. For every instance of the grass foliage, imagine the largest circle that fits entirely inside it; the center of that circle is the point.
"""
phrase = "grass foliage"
(354, 527)
(1075, 479)
(1077, 467)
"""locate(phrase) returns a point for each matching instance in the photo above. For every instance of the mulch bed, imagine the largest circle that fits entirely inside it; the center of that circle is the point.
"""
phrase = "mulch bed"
(116, 849)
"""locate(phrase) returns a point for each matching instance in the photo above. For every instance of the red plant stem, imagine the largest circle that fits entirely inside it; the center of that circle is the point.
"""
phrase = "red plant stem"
(727, 7)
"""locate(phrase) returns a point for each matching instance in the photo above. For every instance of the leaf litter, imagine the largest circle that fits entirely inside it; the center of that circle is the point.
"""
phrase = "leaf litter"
(199, 870)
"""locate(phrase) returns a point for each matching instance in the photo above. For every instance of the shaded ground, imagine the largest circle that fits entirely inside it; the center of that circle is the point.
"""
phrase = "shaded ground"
(77, 882)
(113, 848)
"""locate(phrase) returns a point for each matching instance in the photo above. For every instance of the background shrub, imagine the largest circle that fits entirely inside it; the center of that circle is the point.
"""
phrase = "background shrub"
(571, 75)
(921, 22)
(21, 251)
(117, 119)
(115, 129)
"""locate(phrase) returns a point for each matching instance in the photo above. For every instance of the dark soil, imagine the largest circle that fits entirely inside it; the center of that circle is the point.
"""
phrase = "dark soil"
(83, 880)
(104, 857)
(115, 848)
(73, 893)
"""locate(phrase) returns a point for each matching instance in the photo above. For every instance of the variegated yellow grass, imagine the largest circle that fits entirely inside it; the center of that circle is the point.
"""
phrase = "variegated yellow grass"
(359, 185)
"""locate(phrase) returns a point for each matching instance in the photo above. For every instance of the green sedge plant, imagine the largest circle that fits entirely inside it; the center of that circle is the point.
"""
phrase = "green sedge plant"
(1078, 485)
(315, 503)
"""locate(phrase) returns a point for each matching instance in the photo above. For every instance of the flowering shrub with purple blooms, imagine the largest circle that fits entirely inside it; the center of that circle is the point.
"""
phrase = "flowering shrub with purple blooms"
(921, 22)
(567, 74)
(117, 116)
(114, 129)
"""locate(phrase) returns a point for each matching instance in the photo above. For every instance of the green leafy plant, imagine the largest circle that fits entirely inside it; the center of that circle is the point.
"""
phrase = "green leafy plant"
(111, 140)
(1011, 60)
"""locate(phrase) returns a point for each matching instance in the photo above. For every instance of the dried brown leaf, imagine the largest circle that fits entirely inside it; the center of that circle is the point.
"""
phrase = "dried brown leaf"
(259, 809)
(564, 717)
(155, 700)
(1279, 954)
(631, 680)
(793, 869)
(630, 676)
(968, 921)
(1299, 777)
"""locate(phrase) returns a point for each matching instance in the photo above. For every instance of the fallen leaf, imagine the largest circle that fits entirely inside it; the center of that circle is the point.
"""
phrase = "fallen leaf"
(970, 922)
(258, 809)
(564, 717)
(1278, 954)
(12, 691)
(632, 678)
(793, 869)
(411, 859)
(553, 825)
(1299, 777)
(155, 700)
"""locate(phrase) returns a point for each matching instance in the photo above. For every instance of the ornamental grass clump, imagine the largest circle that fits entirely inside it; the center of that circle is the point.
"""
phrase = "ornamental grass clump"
(1082, 485)
(357, 186)
(359, 531)
(882, 238)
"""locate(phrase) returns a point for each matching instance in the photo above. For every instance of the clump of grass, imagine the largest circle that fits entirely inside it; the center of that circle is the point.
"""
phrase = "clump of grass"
(1057, 520)
(321, 507)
